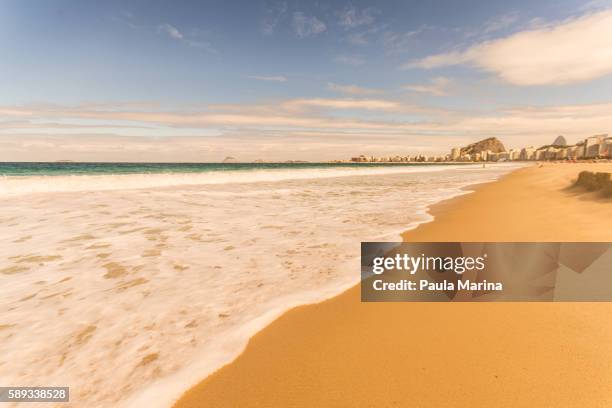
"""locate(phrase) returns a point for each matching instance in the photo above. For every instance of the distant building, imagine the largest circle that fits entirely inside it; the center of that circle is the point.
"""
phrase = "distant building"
(607, 148)
(573, 152)
(579, 150)
(455, 153)
(592, 145)
(503, 156)
(550, 153)
(527, 153)
(561, 154)
(359, 159)
(514, 154)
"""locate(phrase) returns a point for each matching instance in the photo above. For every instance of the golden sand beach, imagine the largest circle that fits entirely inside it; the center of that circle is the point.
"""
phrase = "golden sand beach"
(344, 353)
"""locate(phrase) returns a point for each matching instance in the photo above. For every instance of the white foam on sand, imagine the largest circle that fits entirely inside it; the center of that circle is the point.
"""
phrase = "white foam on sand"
(131, 295)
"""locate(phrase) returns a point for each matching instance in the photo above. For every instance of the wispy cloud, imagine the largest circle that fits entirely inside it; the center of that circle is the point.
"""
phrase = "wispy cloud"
(352, 89)
(501, 22)
(307, 26)
(437, 86)
(274, 78)
(351, 17)
(201, 44)
(396, 43)
(127, 18)
(293, 121)
(354, 60)
(269, 145)
(27, 124)
(170, 31)
(304, 113)
(365, 36)
(366, 104)
(192, 40)
(573, 50)
(272, 18)
(596, 5)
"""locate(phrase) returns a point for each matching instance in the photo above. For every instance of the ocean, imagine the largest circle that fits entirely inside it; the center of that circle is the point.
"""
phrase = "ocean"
(75, 168)
(131, 282)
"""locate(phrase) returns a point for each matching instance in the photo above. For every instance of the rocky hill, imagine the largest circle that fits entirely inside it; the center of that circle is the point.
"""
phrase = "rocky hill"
(560, 141)
(492, 143)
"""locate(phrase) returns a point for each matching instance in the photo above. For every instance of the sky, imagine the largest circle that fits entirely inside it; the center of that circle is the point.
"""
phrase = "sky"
(197, 81)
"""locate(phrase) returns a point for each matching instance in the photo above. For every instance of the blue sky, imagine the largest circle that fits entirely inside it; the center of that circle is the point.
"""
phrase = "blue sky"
(296, 79)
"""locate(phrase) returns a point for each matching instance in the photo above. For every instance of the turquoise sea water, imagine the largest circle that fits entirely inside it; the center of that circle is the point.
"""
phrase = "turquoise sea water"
(74, 168)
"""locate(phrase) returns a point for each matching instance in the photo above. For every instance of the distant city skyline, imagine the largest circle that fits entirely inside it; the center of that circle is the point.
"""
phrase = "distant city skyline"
(288, 80)
(592, 147)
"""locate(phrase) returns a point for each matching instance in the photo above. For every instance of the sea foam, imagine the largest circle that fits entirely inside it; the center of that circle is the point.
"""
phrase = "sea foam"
(17, 185)
(129, 289)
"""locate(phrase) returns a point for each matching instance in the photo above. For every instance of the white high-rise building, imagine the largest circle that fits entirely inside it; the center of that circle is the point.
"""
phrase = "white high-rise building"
(527, 153)
(514, 154)
(592, 145)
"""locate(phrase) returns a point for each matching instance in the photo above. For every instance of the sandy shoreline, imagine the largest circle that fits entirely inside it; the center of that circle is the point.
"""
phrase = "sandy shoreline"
(344, 353)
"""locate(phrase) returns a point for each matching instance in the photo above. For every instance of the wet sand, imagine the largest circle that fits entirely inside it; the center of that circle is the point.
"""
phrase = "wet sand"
(342, 352)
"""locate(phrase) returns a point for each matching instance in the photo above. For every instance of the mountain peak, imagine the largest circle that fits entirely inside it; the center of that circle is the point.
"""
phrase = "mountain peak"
(492, 144)
(560, 141)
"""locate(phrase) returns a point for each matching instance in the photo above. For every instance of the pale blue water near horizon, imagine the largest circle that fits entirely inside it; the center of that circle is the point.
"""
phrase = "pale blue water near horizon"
(100, 168)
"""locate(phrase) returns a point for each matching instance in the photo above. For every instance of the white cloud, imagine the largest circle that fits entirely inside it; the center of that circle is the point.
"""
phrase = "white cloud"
(350, 17)
(170, 31)
(352, 89)
(307, 26)
(437, 86)
(367, 104)
(276, 78)
(571, 51)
